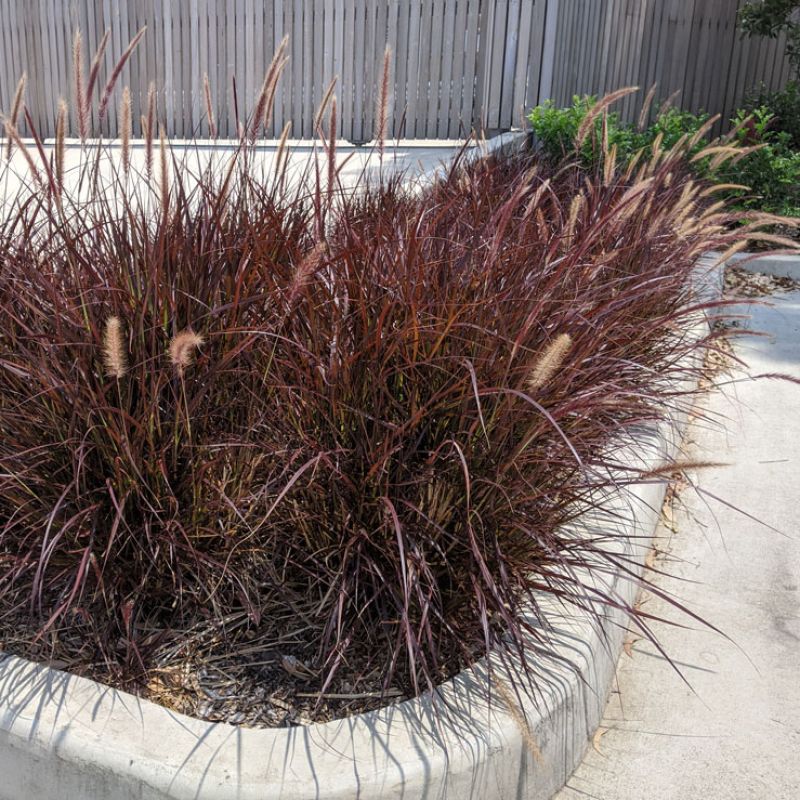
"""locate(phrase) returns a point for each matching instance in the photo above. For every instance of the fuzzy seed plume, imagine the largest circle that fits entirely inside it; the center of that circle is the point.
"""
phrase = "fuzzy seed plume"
(81, 111)
(164, 176)
(572, 220)
(646, 106)
(212, 123)
(518, 715)
(549, 361)
(305, 270)
(609, 165)
(332, 148)
(262, 113)
(150, 128)
(12, 134)
(114, 355)
(382, 110)
(597, 109)
(125, 125)
(105, 97)
(16, 105)
(182, 349)
(94, 68)
(323, 106)
(61, 133)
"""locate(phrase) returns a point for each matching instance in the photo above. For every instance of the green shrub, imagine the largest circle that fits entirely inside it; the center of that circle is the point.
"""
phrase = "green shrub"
(556, 129)
(772, 172)
(783, 105)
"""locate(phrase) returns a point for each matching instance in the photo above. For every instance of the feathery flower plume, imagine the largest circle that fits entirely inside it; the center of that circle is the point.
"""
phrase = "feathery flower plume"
(125, 129)
(646, 105)
(282, 154)
(181, 349)
(149, 128)
(16, 105)
(212, 123)
(382, 110)
(572, 220)
(115, 73)
(668, 103)
(541, 225)
(164, 176)
(61, 135)
(114, 356)
(332, 147)
(304, 271)
(549, 361)
(81, 111)
(13, 135)
(262, 112)
(597, 109)
(518, 716)
(609, 165)
(323, 106)
(536, 197)
(94, 69)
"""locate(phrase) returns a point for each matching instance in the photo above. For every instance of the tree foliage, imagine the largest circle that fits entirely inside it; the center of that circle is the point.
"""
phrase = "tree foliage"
(771, 18)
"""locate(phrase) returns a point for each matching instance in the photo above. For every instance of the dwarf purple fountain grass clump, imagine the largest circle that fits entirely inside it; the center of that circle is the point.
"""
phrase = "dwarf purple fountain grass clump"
(356, 424)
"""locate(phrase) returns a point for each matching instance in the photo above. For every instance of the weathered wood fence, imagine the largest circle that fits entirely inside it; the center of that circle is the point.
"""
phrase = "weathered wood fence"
(693, 47)
(457, 64)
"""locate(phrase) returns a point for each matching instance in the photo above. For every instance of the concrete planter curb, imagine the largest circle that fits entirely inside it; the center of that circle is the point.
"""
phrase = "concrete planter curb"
(67, 737)
(777, 265)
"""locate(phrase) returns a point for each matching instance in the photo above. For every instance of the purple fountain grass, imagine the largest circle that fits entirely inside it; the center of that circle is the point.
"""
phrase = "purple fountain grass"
(350, 429)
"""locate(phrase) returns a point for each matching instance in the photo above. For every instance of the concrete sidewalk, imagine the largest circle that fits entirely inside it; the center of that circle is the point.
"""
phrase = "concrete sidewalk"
(735, 731)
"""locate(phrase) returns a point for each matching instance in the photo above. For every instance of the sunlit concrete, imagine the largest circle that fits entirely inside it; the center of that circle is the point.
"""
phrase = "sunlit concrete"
(731, 730)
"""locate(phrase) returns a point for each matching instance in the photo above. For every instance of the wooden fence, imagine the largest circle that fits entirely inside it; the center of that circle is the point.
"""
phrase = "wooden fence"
(457, 64)
(693, 47)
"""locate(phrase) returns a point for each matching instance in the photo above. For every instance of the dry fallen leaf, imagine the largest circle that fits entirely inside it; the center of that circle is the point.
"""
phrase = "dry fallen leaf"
(628, 644)
(598, 735)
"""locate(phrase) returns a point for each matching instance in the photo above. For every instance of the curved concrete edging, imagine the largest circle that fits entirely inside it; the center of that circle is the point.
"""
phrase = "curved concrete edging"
(781, 266)
(68, 738)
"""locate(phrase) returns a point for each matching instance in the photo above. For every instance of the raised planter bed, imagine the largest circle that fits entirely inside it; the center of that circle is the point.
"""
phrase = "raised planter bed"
(67, 737)
(781, 266)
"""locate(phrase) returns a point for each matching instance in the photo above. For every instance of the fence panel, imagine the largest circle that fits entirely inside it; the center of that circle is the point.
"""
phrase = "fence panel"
(690, 47)
(457, 64)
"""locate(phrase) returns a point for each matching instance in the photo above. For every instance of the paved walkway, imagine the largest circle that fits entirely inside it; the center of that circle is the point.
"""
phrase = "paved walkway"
(735, 732)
